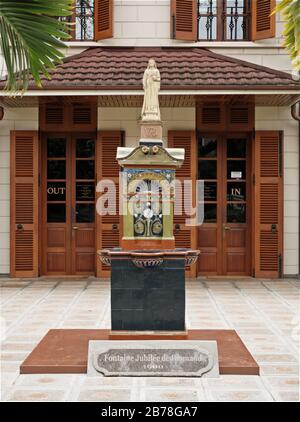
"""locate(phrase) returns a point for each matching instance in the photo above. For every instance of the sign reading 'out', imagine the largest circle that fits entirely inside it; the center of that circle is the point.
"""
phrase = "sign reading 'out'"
(56, 191)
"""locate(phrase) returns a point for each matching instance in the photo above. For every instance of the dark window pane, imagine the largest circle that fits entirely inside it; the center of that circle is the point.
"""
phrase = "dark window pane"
(56, 147)
(85, 191)
(56, 213)
(207, 169)
(56, 191)
(236, 169)
(207, 147)
(85, 148)
(85, 169)
(236, 213)
(236, 191)
(85, 213)
(56, 169)
(236, 148)
(210, 191)
(210, 213)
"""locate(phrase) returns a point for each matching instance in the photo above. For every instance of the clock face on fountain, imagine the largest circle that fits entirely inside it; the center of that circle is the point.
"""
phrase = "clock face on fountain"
(139, 228)
(148, 220)
(157, 228)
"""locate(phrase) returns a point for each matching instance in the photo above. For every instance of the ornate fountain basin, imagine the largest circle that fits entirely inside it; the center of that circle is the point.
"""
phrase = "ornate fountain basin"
(148, 258)
(144, 260)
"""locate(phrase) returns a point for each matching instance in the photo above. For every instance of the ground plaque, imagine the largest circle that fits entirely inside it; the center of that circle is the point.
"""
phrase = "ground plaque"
(161, 358)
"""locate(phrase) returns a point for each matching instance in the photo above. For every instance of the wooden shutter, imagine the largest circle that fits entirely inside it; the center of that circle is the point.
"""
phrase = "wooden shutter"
(24, 204)
(184, 20)
(220, 116)
(263, 23)
(103, 27)
(240, 117)
(211, 116)
(53, 117)
(108, 227)
(268, 228)
(84, 116)
(68, 117)
(185, 236)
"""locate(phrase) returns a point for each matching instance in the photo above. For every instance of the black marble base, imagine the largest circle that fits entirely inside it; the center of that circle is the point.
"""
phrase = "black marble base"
(149, 299)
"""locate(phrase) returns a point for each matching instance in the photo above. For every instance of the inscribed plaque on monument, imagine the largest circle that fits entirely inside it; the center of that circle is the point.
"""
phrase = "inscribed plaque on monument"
(161, 358)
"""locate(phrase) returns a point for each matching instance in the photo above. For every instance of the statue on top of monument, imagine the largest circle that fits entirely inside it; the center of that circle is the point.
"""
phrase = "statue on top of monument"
(151, 83)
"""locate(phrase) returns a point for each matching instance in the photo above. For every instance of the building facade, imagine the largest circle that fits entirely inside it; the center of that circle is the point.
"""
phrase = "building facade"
(226, 97)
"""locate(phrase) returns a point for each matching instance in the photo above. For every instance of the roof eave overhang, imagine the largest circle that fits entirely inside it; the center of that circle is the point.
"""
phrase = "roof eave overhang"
(96, 91)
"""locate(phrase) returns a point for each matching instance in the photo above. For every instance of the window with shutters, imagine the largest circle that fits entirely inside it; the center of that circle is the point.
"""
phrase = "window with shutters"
(91, 20)
(222, 20)
(225, 20)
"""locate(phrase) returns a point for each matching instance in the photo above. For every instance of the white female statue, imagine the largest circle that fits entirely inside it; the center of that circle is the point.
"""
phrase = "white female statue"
(151, 83)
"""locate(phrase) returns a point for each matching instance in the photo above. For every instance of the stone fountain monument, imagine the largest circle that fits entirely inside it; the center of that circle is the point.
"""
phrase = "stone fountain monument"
(148, 272)
(147, 282)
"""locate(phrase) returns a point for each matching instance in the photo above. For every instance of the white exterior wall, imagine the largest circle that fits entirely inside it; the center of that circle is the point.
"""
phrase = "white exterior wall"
(147, 23)
(142, 23)
(14, 119)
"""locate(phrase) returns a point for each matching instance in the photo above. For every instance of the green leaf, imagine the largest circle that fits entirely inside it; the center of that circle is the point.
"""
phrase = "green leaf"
(290, 11)
(31, 39)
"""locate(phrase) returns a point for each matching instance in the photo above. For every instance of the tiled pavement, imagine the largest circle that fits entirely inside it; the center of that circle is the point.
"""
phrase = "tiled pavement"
(264, 313)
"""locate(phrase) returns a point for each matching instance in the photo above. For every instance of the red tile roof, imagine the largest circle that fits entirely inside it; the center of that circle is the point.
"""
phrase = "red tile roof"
(115, 68)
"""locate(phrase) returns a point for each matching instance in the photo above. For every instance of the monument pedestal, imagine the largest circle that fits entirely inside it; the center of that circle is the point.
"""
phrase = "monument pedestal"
(65, 351)
(148, 299)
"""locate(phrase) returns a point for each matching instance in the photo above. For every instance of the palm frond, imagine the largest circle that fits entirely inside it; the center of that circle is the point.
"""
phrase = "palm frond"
(31, 38)
(290, 11)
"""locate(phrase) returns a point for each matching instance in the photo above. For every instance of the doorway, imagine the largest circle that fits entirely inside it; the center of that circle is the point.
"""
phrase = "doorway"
(68, 204)
(224, 238)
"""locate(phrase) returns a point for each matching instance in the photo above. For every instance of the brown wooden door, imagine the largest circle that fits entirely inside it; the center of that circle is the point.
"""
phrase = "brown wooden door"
(224, 236)
(68, 205)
